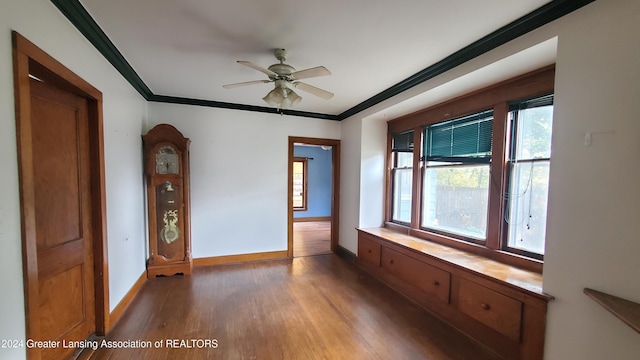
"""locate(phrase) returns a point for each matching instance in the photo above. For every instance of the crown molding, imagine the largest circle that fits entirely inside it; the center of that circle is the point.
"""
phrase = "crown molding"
(533, 20)
(80, 18)
(234, 106)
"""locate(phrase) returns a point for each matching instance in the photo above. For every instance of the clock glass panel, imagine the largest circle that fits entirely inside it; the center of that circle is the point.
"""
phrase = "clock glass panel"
(167, 160)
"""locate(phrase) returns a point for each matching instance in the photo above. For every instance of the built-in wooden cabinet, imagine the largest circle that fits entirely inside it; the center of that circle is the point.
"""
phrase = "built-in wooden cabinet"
(498, 305)
(428, 280)
(368, 252)
(494, 309)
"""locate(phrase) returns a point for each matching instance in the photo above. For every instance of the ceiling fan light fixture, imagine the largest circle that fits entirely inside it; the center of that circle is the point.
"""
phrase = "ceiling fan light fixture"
(285, 78)
(282, 98)
(290, 100)
(274, 97)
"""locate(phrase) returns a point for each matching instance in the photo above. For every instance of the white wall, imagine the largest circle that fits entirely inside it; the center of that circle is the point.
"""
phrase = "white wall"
(124, 111)
(593, 234)
(362, 177)
(372, 180)
(238, 174)
(351, 148)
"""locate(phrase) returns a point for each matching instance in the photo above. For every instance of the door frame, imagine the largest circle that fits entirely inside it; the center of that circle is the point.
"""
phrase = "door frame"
(28, 60)
(335, 188)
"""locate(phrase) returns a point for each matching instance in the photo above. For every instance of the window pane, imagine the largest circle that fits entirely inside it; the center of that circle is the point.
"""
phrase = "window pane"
(298, 184)
(527, 216)
(404, 160)
(402, 182)
(534, 133)
(455, 200)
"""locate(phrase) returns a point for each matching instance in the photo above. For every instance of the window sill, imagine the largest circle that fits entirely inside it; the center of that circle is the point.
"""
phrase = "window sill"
(527, 280)
(482, 251)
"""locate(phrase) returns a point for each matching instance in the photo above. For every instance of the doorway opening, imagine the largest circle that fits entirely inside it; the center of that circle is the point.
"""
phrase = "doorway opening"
(314, 178)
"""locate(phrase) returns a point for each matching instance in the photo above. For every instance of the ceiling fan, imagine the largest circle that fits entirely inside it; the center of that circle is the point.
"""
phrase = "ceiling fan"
(286, 79)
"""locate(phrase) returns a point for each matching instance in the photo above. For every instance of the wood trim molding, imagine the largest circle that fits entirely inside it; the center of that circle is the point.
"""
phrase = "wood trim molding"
(312, 218)
(82, 20)
(537, 82)
(27, 196)
(290, 199)
(29, 59)
(416, 183)
(335, 188)
(122, 306)
(345, 254)
(498, 180)
(403, 229)
(388, 181)
(240, 258)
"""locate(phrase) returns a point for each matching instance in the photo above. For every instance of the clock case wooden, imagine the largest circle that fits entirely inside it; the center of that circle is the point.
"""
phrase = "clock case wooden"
(166, 193)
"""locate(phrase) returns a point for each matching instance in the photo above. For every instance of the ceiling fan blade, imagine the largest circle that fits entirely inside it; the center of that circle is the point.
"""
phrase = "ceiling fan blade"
(259, 68)
(312, 72)
(314, 90)
(230, 86)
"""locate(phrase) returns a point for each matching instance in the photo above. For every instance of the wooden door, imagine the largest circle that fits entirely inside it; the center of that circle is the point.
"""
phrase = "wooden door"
(62, 205)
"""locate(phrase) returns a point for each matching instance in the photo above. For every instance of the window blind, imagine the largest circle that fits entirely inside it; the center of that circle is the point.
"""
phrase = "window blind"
(537, 101)
(466, 139)
(403, 142)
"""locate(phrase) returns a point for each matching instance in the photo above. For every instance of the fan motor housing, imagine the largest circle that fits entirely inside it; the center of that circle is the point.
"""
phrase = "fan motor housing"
(284, 70)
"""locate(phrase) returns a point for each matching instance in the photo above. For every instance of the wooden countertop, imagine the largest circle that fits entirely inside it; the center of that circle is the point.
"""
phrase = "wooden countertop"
(523, 279)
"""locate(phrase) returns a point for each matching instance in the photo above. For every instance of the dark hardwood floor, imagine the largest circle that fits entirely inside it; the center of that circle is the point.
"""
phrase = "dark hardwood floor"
(317, 307)
(311, 238)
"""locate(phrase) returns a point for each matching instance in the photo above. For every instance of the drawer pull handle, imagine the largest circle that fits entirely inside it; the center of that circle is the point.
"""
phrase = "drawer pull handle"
(369, 251)
(486, 306)
(391, 261)
(436, 283)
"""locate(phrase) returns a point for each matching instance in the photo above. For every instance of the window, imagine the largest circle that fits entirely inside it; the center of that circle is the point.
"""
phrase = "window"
(455, 194)
(530, 154)
(300, 174)
(481, 178)
(402, 174)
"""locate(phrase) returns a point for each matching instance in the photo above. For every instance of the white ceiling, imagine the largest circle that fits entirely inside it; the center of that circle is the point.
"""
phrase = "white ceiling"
(189, 48)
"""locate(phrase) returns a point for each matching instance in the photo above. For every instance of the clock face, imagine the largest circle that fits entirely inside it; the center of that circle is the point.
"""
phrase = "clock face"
(167, 160)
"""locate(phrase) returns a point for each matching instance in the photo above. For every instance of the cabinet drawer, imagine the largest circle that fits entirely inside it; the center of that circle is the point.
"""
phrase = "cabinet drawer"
(427, 279)
(368, 251)
(491, 308)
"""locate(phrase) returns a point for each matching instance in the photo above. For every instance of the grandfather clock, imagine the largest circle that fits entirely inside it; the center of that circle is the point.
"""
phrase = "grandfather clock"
(166, 159)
